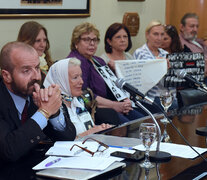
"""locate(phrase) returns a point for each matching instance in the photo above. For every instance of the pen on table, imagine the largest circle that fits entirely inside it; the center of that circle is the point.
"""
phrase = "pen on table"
(122, 147)
(52, 162)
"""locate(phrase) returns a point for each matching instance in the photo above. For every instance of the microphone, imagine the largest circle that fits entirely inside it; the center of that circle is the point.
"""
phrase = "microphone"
(120, 83)
(184, 75)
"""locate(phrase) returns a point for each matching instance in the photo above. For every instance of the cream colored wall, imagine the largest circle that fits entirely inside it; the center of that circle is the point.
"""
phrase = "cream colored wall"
(103, 13)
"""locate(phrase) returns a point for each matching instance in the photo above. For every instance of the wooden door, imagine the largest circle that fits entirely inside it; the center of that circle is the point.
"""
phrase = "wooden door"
(175, 9)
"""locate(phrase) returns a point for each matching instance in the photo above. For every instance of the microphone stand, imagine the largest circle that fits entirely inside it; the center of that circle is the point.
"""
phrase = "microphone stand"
(157, 155)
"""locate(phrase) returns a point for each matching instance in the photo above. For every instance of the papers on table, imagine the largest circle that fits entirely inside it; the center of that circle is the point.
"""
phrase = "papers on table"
(62, 148)
(84, 162)
(80, 159)
(178, 150)
(77, 174)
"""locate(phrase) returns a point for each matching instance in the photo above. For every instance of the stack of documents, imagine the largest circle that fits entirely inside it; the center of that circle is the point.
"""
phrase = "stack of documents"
(62, 148)
(60, 156)
(77, 164)
(77, 174)
(177, 150)
(92, 163)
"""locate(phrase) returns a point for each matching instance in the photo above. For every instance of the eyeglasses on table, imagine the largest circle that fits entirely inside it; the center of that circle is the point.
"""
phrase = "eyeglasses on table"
(101, 148)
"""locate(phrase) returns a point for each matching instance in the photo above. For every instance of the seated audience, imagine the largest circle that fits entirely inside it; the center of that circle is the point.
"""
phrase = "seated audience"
(117, 44)
(35, 35)
(27, 113)
(67, 73)
(84, 42)
(151, 50)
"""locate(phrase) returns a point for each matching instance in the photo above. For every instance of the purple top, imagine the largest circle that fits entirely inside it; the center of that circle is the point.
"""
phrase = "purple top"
(91, 77)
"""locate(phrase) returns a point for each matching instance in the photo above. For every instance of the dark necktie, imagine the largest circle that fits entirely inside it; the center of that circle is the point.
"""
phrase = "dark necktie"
(24, 112)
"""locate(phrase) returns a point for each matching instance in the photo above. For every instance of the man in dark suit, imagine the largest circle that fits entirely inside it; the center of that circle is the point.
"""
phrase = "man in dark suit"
(19, 86)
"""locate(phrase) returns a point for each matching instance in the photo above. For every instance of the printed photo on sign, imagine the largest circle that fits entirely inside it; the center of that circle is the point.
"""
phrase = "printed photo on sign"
(110, 80)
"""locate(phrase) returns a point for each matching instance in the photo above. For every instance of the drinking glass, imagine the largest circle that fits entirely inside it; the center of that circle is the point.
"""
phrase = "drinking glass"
(166, 99)
(147, 133)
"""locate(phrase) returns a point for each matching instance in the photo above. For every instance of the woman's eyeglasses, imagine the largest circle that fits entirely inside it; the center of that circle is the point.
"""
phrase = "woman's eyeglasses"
(101, 148)
(89, 40)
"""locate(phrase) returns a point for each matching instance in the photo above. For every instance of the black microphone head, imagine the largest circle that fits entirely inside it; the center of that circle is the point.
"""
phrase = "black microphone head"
(120, 82)
(181, 74)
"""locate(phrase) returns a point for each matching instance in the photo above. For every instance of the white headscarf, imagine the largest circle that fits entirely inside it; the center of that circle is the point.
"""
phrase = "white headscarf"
(58, 74)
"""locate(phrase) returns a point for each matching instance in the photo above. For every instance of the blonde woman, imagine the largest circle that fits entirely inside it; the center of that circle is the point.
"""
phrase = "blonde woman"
(154, 34)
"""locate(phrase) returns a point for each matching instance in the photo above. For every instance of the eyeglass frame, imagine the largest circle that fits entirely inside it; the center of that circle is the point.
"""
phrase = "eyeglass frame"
(88, 40)
(87, 150)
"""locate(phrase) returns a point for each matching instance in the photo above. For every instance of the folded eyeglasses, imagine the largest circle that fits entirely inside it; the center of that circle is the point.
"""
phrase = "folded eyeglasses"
(99, 149)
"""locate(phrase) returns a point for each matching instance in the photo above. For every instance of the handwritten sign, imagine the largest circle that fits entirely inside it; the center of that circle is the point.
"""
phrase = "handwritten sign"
(142, 74)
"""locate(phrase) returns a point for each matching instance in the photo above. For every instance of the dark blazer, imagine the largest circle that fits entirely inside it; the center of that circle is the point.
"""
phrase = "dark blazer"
(16, 140)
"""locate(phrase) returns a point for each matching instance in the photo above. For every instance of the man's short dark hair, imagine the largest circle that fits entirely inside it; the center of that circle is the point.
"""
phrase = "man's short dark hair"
(186, 16)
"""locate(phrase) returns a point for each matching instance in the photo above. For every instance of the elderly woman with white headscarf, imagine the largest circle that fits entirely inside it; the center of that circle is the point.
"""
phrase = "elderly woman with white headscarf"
(68, 75)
